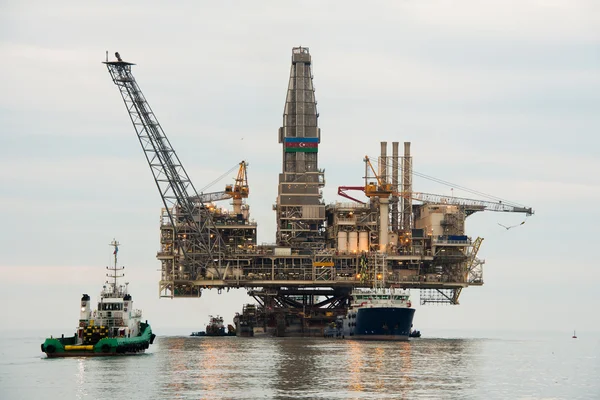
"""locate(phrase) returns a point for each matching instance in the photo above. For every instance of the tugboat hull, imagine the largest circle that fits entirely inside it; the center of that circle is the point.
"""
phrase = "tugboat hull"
(66, 347)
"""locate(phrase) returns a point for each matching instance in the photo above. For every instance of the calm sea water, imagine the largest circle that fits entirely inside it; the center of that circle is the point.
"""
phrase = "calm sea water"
(178, 367)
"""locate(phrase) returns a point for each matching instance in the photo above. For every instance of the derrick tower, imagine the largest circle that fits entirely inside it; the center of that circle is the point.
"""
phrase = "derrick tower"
(300, 209)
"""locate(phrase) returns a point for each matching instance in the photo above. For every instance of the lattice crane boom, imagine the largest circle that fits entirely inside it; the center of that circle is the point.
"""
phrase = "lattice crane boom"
(212, 196)
(471, 205)
(238, 191)
(383, 190)
(194, 231)
(474, 204)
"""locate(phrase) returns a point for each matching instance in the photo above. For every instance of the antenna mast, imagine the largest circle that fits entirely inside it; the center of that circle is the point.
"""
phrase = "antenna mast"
(114, 269)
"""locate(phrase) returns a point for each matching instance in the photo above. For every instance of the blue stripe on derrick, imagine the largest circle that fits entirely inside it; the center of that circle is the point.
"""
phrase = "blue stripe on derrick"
(301, 140)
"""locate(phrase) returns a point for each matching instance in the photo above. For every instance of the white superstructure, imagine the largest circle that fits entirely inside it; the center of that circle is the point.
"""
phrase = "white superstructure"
(114, 315)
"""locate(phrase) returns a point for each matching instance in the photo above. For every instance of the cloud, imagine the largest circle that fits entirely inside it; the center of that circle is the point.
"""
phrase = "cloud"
(42, 275)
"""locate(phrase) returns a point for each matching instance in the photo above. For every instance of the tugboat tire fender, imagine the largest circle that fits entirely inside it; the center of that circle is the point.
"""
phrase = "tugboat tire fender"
(105, 348)
(50, 349)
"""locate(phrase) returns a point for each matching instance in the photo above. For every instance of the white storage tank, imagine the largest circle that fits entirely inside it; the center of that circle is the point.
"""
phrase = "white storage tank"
(363, 241)
(353, 241)
(235, 273)
(342, 241)
(282, 251)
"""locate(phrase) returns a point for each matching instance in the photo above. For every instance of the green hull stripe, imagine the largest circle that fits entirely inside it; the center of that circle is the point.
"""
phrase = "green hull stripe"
(112, 343)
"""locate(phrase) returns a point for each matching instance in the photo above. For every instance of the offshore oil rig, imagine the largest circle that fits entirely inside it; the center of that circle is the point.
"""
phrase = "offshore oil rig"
(395, 236)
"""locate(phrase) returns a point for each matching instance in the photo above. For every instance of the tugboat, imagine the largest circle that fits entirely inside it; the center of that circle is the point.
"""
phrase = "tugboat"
(114, 328)
(216, 327)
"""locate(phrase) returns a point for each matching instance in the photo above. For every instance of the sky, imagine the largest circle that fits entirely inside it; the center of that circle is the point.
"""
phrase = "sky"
(497, 96)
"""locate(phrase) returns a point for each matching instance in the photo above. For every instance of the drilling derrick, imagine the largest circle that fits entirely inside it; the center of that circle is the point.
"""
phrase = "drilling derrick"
(300, 210)
(192, 244)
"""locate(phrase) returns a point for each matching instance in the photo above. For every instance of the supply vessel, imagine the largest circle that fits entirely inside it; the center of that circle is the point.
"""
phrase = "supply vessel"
(377, 313)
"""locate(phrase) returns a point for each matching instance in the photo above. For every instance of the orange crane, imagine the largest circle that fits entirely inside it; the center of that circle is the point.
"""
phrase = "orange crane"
(238, 191)
(380, 189)
(371, 189)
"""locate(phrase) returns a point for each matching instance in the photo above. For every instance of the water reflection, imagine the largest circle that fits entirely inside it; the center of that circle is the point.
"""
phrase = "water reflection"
(209, 367)
(356, 366)
(80, 379)
(446, 365)
(195, 366)
(270, 368)
(209, 380)
(381, 369)
(283, 368)
(300, 366)
(177, 365)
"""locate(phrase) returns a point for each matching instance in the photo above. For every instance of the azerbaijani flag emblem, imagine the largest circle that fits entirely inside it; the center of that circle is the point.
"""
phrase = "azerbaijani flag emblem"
(301, 144)
(116, 249)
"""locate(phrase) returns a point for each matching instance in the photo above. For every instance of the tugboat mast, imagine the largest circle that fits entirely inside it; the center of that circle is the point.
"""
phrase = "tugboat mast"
(114, 269)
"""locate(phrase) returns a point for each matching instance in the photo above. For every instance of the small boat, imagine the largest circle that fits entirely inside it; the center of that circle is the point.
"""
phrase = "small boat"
(574, 335)
(415, 333)
(114, 328)
(216, 327)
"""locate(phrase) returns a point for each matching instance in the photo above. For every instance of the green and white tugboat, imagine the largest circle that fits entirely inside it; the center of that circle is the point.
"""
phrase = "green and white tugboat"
(114, 328)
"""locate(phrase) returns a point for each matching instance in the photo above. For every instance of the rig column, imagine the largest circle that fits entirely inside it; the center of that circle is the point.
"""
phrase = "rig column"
(300, 209)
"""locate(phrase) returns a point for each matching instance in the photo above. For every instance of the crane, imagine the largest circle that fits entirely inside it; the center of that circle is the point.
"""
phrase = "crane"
(196, 243)
(238, 191)
(384, 190)
(470, 205)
